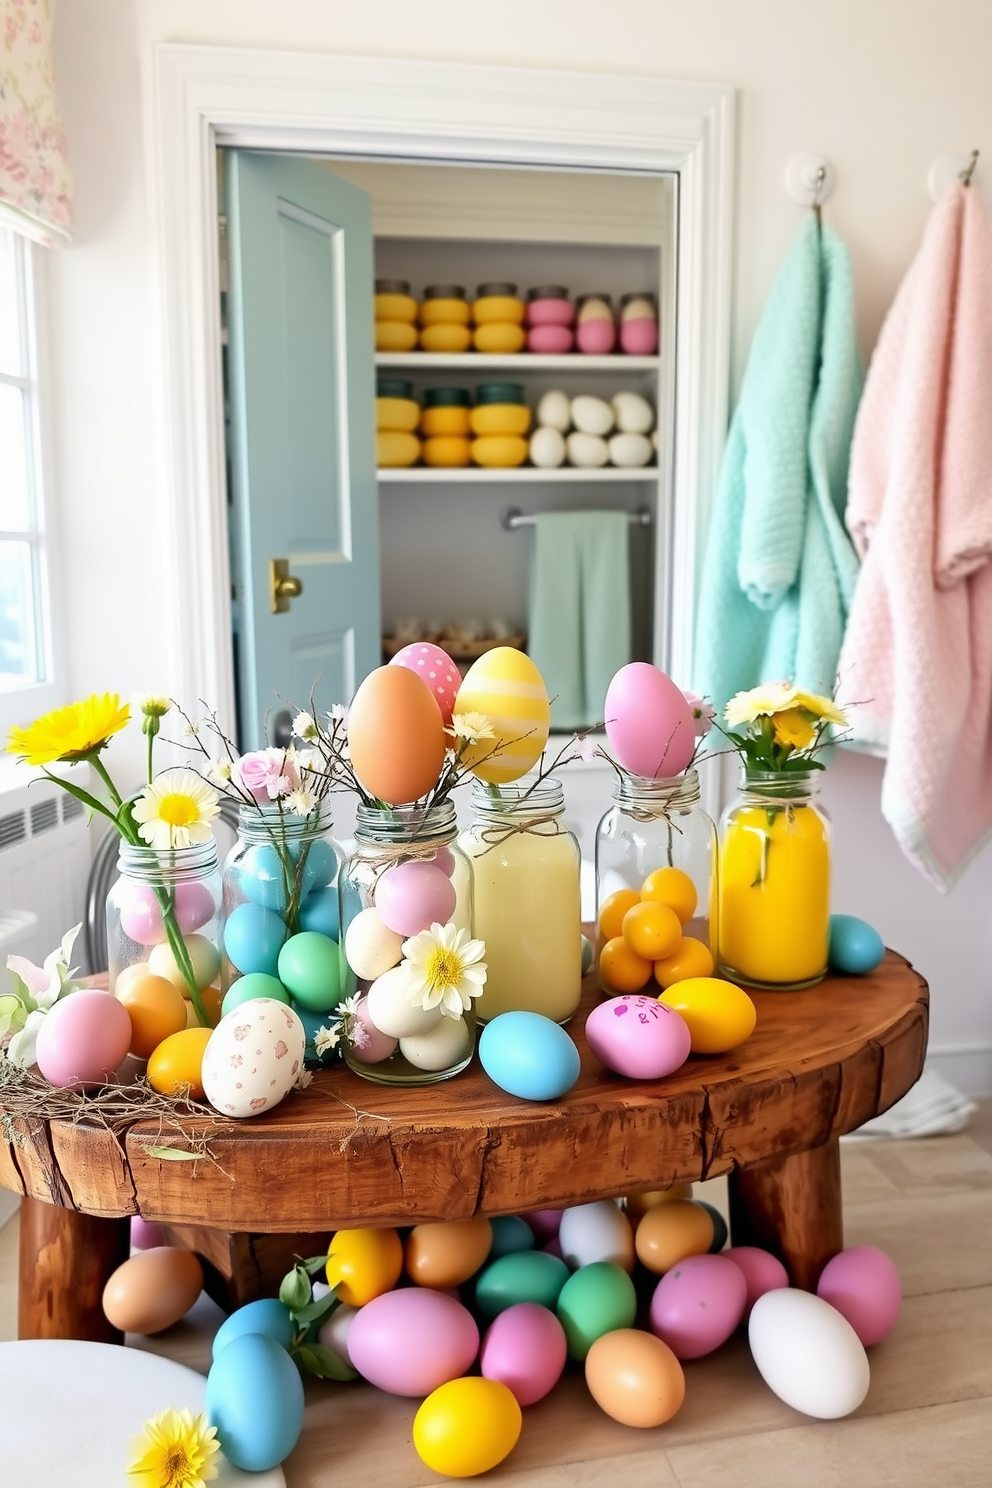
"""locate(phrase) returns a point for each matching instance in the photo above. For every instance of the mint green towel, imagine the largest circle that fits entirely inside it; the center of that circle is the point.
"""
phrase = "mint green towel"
(579, 629)
(780, 568)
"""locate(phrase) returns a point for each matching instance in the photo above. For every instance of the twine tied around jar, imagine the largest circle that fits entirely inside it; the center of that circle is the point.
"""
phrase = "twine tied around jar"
(496, 835)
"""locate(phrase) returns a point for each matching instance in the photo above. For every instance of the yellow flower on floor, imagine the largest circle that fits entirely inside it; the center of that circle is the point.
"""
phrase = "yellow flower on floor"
(176, 810)
(793, 728)
(175, 1451)
(71, 733)
(444, 969)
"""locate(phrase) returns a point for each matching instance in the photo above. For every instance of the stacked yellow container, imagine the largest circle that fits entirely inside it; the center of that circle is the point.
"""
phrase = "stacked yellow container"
(444, 319)
(498, 314)
(444, 425)
(499, 421)
(397, 415)
(395, 316)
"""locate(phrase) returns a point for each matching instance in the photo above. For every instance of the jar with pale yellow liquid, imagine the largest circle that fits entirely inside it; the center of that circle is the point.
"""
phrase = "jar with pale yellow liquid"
(774, 883)
(525, 879)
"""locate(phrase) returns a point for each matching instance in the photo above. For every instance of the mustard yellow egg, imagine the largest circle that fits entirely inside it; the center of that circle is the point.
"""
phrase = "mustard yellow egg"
(719, 1014)
(396, 735)
(177, 1063)
(467, 1426)
(505, 686)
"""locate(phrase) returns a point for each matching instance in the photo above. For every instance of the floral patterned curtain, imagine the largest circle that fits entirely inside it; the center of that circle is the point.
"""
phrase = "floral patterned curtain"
(35, 187)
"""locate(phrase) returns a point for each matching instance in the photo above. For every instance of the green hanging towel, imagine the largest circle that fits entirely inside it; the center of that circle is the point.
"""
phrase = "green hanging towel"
(780, 568)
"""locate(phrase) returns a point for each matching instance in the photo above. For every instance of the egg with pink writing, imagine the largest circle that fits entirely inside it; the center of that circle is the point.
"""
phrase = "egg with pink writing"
(408, 1342)
(698, 1304)
(436, 668)
(638, 1037)
(412, 896)
(253, 1057)
(82, 1039)
(525, 1349)
(649, 724)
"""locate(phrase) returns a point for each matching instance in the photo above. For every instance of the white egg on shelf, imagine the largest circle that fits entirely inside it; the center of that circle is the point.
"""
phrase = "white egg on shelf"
(554, 411)
(587, 451)
(547, 448)
(634, 414)
(629, 450)
(592, 415)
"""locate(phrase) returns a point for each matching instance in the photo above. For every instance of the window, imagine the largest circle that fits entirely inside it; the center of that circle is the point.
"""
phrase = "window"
(25, 631)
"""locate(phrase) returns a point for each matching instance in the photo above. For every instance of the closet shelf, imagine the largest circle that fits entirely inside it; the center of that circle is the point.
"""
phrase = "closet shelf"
(468, 475)
(521, 362)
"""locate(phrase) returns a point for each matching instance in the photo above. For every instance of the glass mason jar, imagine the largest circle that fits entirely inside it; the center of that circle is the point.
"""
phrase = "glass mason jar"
(525, 871)
(655, 824)
(408, 870)
(165, 918)
(775, 883)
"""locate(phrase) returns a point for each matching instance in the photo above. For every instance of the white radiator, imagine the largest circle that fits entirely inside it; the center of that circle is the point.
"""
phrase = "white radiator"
(45, 847)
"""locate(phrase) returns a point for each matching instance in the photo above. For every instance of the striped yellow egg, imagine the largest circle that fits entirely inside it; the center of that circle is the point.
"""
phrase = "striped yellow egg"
(507, 688)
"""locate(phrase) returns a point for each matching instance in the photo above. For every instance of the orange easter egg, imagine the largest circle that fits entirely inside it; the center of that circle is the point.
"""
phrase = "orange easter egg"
(690, 958)
(156, 1009)
(396, 736)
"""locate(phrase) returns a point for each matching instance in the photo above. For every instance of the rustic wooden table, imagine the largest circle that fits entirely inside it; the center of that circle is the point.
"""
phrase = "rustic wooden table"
(346, 1152)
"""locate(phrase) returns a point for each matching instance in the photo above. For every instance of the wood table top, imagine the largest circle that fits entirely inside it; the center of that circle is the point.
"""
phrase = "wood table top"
(347, 1152)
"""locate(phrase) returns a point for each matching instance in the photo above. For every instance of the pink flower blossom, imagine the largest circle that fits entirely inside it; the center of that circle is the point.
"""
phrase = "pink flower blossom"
(702, 714)
(267, 774)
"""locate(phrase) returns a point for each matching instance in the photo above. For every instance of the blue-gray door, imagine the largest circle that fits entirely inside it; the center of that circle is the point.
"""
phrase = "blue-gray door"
(301, 384)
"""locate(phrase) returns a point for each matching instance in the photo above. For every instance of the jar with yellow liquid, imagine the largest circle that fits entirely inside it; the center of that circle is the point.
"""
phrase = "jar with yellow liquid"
(525, 878)
(774, 883)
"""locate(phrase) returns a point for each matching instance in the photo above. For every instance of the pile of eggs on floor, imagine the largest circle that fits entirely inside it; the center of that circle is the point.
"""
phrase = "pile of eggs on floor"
(479, 1319)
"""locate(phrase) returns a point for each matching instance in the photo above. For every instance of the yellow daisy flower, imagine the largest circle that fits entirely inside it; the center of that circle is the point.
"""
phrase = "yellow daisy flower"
(176, 810)
(793, 729)
(471, 727)
(175, 1451)
(821, 707)
(71, 733)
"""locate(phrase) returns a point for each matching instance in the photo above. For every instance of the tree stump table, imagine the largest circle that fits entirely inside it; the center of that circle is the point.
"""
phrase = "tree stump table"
(345, 1152)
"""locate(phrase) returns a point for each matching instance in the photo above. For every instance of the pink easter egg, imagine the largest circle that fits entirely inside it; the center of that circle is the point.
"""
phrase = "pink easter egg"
(525, 1349)
(596, 337)
(553, 1248)
(145, 1234)
(638, 1037)
(639, 336)
(698, 1304)
(762, 1272)
(550, 340)
(140, 914)
(444, 859)
(863, 1284)
(544, 1222)
(410, 1341)
(648, 722)
(83, 1039)
(413, 896)
(194, 906)
(436, 668)
(369, 1045)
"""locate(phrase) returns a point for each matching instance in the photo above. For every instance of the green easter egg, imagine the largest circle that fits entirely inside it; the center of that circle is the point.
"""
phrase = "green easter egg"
(596, 1299)
(310, 966)
(523, 1276)
(254, 984)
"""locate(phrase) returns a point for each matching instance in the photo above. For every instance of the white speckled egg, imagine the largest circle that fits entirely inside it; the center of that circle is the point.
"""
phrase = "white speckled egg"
(591, 415)
(554, 411)
(370, 947)
(634, 414)
(629, 450)
(586, 450)
(391, 1011)
(253, 1057)
(547, 448)
(440, 1047)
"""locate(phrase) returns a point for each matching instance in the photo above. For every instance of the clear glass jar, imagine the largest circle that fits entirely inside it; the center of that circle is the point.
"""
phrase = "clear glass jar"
(775, 883)
(394, 846)
(657, 824)
(165, 916)
(526, 869)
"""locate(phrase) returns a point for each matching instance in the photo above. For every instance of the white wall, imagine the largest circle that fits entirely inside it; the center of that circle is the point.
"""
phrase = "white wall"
(881, 88)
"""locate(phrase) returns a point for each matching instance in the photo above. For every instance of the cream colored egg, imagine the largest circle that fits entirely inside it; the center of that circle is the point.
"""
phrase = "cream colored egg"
(370, 947)
(554, 411)
(629, 450)
(253, 1057)
(634, 414)
(592, 415)
(391, 1011)
(547, 448)
(506, 687)
(203, 955)
(441, 1047)
(587, 450)
(596, 1232)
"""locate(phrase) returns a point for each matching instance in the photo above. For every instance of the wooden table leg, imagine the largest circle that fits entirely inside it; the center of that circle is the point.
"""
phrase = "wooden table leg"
(792, 1207)
(66, 1259)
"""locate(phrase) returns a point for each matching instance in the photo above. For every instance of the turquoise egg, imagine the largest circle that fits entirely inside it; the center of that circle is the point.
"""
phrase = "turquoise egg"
(319, 911)
(310, 966)
(261, 878)
(267, 1315)
(527, 1055)
(320, 865)
(255, 1399)
(597, 1299)
(526, 1276)
(720, 1231)
(510, 1235)
(855, 946)
(255, 984)
(253, 937)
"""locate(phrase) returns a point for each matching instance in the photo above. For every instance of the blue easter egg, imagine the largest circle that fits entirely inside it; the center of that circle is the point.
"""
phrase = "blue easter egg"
(320, 866)
(255, 1399)
(310, 966)
(260, 877)
(510, 1235)
(246, 988)
(319, 911)
(527, 1055)
(268, 1315)
(855, 946)
(253, 938)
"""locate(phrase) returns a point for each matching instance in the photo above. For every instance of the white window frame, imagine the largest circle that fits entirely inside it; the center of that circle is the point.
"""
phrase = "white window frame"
(20, 705)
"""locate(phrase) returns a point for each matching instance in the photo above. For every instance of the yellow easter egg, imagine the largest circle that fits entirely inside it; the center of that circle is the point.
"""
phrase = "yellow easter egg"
(467, 1426)
(505, 686)
(720, 1016)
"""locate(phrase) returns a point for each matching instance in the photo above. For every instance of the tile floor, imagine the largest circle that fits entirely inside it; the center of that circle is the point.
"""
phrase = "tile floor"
(926, 1423)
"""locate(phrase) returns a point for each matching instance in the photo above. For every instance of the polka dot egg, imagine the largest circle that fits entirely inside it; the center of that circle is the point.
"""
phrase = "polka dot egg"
(253, 1058)
(436, 668)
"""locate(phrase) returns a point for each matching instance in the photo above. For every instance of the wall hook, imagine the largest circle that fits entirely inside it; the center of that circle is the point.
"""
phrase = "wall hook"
(969, 169)
(810, 180)
(947, 169)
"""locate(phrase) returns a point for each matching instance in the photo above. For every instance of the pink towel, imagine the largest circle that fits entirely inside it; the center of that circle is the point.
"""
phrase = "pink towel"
(917, 658)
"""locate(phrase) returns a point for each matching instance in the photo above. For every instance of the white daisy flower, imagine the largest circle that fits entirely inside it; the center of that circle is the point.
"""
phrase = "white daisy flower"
(471, 727)
(304, 726)
(176, 810)
(444, 969)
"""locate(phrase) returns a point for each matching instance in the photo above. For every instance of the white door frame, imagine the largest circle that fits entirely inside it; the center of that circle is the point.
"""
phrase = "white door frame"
(208, 96)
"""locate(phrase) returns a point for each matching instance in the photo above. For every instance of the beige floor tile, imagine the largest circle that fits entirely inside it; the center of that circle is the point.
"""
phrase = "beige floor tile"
(980, 1125)
(946, 1446)
(938, 1352)
(928, 1167)
(862, 1180)
(939, 1244)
